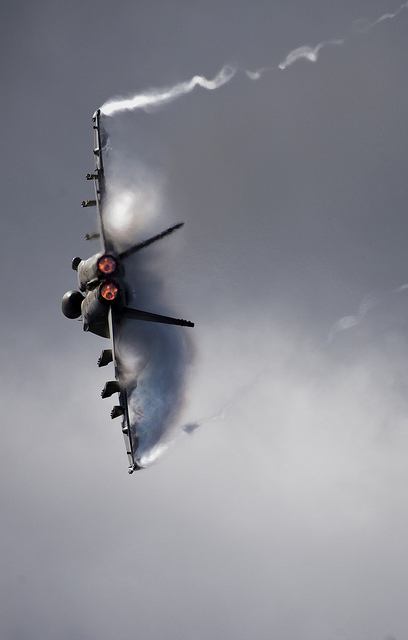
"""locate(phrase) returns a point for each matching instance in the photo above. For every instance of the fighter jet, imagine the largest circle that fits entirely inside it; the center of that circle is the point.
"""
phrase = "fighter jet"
(101, 301)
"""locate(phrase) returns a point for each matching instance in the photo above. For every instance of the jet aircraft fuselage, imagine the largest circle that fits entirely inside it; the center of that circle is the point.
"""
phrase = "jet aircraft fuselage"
(103, 295)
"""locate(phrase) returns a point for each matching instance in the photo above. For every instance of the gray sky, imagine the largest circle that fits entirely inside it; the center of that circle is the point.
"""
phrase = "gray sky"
(285, 514)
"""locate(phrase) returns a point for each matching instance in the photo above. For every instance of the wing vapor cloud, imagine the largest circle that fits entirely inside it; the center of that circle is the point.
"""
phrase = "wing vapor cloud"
(152, 357)
(155, 358)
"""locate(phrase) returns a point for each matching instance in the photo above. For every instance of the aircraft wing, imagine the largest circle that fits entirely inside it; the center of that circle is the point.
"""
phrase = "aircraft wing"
(118, 386)
(113, 386)
(98, 176)
(114, 320)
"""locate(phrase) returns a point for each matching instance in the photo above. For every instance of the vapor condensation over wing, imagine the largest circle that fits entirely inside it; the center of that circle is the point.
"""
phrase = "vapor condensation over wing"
(156, 401)
(157, 97)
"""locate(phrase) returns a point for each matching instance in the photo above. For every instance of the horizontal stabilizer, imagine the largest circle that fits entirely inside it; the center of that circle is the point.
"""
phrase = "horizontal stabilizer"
(136, 314)
(146, 243)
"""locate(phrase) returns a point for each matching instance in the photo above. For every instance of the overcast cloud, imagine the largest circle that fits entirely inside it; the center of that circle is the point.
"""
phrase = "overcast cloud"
(284, 514)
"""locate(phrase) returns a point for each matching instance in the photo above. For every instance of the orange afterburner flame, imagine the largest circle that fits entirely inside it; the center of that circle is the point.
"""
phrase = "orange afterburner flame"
(109, 291)
(107, 264)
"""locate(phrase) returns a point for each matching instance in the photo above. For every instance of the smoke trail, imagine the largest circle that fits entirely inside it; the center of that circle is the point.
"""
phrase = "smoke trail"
(158, 97)
(255, 75)
(362, 25)
(369, 301)
(307, 52)
(223, 412)
(312, 53)
(403, 287)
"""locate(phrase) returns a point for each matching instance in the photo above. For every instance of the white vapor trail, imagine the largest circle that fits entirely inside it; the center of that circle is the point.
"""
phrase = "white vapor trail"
(403, 287)
(307, 52)
(363, 25)
(312, 53)
(222, 413)
(156, 97)
(369, 302)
